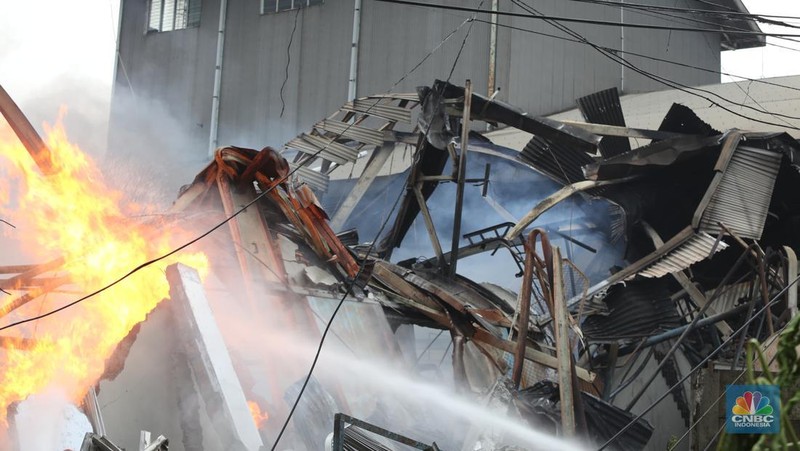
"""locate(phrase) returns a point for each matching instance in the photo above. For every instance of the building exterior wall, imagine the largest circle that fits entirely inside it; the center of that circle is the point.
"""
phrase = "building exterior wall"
(165, 81)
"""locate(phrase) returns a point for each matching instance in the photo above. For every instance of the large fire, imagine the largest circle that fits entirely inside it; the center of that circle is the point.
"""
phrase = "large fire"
(76, 215)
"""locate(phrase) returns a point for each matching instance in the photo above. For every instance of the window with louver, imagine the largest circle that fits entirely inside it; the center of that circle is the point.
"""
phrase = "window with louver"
(169, 15)
(276, 6)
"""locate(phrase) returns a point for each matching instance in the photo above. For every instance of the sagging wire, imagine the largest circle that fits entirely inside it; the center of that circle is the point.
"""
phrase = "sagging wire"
(642, 55)
(288, 61)
(236, 213)
(362, 265)
(663, 80)
(584, 21)
(328, 325)
(276, 183)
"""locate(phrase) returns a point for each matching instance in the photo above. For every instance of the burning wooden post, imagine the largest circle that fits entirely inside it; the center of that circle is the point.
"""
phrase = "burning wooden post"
(26, 133)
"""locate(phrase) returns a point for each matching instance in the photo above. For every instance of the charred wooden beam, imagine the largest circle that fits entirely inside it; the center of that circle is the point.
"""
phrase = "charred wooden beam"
(22, 279)
(26, 133)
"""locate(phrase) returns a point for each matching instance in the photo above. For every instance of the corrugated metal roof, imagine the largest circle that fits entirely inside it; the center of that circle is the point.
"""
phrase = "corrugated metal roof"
(539, 404)
(603, 107)
(779, 94)
(635, 310)
(695, 248)
(372, 107)
(327, 148)
(555, 160)
(741, 200)
(312, 178)
(730, 296)
(356, 132)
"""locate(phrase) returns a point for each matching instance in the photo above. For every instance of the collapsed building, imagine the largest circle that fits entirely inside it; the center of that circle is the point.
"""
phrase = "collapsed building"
(631, 313)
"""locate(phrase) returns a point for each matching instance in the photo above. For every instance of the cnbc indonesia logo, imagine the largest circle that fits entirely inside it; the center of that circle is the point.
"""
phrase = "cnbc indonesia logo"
(752, 411)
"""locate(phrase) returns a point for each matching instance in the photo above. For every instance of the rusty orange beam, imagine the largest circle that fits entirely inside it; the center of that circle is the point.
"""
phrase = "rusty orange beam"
(26, 133)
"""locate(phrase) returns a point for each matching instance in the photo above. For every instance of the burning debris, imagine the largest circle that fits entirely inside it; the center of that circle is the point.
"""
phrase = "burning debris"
(585, 351)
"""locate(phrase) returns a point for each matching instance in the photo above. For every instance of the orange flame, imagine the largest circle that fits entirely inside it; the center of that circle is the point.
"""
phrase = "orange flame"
(74, 214)
(259, 417)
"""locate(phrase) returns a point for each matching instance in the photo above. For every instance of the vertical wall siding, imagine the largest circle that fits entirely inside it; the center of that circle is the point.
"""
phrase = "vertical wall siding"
(696, 49)
(548, 74)
(173, 72)
(395, 38)
(163, 83)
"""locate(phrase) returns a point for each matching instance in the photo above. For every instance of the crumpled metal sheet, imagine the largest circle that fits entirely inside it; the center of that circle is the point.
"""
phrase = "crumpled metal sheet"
(635, 310)
(604, 107)
(696, 248)
(560, 162)
(741, 200)
(539, 404)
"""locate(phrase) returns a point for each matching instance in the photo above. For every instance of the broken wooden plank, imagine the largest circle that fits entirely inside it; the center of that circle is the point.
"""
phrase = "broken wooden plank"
(26, 133)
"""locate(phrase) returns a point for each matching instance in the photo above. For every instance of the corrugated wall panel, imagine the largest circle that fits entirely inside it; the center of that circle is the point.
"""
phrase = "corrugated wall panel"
(741, 200)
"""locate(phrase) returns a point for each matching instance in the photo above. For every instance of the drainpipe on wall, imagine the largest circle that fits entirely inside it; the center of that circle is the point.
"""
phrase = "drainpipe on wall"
(492, 49)
(214, 129)
(622, 45)
(492, 77)
(352, 83)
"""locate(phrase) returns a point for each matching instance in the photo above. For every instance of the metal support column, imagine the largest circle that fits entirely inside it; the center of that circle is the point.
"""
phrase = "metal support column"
(462, 172)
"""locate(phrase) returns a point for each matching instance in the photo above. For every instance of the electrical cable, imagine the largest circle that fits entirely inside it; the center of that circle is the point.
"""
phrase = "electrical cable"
(226, 220)
(642, 55)
(428, 347)
(723, 28)
(586, 21)
(288, 61)
(665, 81)
(358, 274)
(328, 327)
(774, 300)
(731, 15)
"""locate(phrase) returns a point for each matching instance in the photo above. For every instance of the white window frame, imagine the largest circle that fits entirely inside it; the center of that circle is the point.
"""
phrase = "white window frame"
(271, 6)
(181, 17)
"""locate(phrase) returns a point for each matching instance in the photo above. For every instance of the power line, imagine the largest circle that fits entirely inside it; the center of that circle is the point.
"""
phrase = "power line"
(361, 267)
(724, 28)
(226, 220)
(724, 14)
(330, 323)
(665, 81)
(642, 55)
(586, 21)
